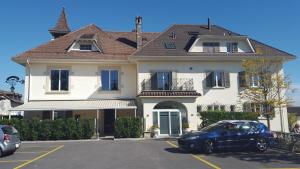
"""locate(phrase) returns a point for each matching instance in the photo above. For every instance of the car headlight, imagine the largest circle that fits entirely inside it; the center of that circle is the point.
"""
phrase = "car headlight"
(192, 138)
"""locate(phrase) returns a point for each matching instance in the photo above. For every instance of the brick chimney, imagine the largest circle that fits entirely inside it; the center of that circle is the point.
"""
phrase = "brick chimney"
(138, 30)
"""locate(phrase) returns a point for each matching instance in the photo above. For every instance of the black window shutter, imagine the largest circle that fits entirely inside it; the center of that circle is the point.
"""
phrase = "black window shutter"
(226, 80)
(210, 80)
(242, 79)
(154, 81)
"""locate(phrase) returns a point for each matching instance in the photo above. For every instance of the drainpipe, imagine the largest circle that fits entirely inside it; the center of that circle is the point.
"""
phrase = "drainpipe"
(29, 74)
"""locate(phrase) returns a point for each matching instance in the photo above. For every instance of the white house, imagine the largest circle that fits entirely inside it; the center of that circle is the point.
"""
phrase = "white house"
(166, 77)
(9, 100)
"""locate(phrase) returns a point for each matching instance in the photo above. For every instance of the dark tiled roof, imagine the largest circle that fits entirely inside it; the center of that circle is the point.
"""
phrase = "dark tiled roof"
(61, 25)
(114, 46)
(187, 34)
(15, 97)
(294, 110)
(169, 93)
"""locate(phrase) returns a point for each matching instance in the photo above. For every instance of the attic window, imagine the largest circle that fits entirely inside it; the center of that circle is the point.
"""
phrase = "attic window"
(170, 45)
(85, 47)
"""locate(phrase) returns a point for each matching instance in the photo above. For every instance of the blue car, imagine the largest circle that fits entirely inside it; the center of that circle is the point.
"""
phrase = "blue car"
(228, 135)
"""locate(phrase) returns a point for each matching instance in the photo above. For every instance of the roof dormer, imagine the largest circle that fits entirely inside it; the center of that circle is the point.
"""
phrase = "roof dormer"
(221, 44)
(86, 42)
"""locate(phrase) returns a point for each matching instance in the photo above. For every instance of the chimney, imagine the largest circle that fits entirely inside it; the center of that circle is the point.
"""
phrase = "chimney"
(138, 30)
(208, 24)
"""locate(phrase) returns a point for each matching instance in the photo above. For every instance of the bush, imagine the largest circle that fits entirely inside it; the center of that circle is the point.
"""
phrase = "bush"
(126, 127)
(210, 117)
(59, 129)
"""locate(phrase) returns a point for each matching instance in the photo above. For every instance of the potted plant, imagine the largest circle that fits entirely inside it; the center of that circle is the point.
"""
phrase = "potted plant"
(186, 127)
(154, 131)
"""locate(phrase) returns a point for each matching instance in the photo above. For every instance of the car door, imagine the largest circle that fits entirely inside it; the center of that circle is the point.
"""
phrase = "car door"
(227, 136)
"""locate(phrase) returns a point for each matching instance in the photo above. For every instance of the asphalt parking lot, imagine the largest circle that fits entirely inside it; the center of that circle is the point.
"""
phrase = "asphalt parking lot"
(141, 154)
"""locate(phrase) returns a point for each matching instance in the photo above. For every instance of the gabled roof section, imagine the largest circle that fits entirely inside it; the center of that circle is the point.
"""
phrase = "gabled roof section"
(61, 26)
(185, 35)
(114, 46)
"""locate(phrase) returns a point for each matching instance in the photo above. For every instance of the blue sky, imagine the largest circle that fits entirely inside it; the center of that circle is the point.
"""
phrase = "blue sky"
(25, 24)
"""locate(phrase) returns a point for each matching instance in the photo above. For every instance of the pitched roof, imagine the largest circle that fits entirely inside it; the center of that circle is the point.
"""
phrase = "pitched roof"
(114, 46)
(15, 97)
(61, 25)
(121, 45)
(187, 34)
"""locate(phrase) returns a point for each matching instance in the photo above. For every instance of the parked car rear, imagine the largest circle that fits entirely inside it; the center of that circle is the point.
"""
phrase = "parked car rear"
(9, 139)
(230, 135)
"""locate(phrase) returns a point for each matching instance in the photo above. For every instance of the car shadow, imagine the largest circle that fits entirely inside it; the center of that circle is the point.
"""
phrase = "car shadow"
(270, 156)
(176, 150)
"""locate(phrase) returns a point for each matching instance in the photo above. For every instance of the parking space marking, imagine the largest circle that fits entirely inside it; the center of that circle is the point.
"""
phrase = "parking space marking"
(12, 161)
(39, 157)
(198, 157)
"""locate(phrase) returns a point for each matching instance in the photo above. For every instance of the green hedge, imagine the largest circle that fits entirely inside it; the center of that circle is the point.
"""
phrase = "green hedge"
(209, 117)
(60, 129)
(126, 127)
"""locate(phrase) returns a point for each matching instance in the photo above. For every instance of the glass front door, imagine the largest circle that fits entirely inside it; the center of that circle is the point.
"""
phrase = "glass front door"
(164, 123)
(169, 121)
(175, 123)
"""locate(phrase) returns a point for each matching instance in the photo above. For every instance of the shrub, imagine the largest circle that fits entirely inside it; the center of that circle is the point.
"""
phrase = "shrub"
(209, 117)
(52, 129)
(126, 127)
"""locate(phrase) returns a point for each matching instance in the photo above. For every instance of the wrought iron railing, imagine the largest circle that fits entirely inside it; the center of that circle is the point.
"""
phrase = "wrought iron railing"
(178, 84)
(287, 141)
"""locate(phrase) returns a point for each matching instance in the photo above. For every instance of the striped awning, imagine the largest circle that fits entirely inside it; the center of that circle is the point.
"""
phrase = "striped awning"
(75, 105)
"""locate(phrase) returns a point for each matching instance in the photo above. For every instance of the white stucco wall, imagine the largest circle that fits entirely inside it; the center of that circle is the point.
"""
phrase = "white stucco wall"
(196, 70)
(84, 82)
(189, 103)
(197, 73)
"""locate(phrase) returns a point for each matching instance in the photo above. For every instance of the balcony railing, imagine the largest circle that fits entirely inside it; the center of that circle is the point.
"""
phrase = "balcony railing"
(178, 84)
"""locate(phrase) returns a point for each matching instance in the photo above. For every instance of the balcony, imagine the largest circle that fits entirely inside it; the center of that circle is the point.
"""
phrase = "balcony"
(162, 87)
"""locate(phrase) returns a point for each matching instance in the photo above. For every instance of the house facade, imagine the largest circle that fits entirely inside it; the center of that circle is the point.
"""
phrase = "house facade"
(10, 100)
(167, 78)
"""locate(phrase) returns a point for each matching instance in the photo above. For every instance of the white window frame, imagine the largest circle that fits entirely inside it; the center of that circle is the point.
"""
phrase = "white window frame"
(109, 79)
(169, 116)
(253, 81)
(59, 80)
(216, 79)
(231, 47)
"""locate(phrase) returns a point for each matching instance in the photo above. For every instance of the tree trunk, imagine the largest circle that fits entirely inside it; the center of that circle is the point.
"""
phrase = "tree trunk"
(268, 121)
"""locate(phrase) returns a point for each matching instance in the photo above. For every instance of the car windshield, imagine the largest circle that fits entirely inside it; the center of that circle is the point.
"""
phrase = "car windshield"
(9, 130)
(212, 127)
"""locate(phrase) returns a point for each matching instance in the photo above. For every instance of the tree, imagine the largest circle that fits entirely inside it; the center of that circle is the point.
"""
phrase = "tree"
(265, 85)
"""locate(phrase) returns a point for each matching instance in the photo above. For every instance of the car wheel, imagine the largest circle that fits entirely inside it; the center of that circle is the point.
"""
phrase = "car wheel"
(261, 145)
(1, 153)
(208, 147)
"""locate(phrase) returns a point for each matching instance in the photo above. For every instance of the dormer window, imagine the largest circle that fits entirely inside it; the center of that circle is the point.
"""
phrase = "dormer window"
(86, 42)
(232, 47)
(211, 47)
(87, 47)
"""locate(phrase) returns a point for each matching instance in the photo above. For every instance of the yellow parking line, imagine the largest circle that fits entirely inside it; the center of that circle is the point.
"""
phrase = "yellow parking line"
(13, 161)
(198, 157)
(39, 157)
(173, 145)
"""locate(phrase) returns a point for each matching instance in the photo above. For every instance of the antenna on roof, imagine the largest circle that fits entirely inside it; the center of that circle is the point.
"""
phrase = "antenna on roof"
(208, 24)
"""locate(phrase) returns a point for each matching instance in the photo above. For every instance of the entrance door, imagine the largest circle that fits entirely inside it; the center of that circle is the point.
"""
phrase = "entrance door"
(164, 123)
(175, 123)
(169, 121)
(109, 121)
